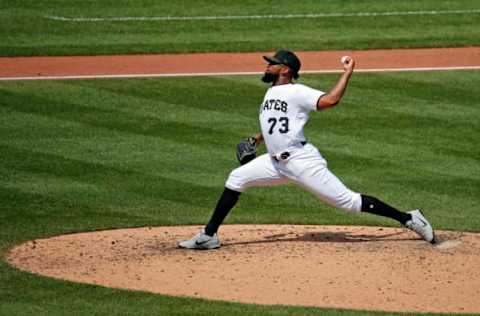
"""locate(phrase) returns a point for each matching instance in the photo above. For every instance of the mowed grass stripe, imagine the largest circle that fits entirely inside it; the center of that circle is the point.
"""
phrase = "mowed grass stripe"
(117, 121)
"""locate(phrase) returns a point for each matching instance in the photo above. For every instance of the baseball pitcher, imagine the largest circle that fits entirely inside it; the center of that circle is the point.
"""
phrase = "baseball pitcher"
(283, 113)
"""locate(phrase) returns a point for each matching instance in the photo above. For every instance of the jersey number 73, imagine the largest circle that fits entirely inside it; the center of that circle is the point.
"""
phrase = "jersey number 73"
(283, 128)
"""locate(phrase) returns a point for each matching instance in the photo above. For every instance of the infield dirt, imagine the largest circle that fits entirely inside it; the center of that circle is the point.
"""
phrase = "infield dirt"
(368, 268)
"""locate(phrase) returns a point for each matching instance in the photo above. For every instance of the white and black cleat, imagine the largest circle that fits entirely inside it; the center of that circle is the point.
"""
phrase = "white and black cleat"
(421, 226)
(201, 241)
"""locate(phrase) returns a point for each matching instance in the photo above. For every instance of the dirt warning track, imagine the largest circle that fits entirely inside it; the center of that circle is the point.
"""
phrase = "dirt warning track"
(126, 66)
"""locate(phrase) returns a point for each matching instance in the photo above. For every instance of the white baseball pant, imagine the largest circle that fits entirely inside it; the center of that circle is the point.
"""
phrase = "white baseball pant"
(305, 167)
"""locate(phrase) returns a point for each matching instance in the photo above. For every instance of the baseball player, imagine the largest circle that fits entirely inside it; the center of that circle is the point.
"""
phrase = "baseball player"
(284, 112)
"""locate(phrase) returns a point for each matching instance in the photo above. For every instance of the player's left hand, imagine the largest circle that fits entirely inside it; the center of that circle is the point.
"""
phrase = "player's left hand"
(348, 64)
(247, 150)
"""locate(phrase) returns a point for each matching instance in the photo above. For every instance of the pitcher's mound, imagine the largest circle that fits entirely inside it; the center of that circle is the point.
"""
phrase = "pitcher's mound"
(369, 268)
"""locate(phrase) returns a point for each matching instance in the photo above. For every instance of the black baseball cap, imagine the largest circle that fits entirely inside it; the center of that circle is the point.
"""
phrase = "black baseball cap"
(287, 58)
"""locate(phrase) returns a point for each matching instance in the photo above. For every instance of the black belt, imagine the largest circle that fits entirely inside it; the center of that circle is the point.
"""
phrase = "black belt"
(285, 154)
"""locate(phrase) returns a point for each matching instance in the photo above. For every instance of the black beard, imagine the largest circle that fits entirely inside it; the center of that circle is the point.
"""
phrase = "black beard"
(269, 77)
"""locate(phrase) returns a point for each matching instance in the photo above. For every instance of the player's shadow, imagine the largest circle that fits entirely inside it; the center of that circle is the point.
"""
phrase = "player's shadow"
(327, 237)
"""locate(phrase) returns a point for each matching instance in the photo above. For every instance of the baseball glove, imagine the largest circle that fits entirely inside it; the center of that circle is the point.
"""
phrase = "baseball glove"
(247, 150)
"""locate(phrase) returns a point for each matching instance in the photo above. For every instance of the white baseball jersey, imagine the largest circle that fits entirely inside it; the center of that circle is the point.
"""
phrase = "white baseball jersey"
(283, 114)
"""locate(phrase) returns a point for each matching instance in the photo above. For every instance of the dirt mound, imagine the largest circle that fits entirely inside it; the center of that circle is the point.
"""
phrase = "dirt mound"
(370, 268)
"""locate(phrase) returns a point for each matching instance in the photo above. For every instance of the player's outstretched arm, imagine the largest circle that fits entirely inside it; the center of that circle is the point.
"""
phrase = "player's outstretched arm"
(333, 97)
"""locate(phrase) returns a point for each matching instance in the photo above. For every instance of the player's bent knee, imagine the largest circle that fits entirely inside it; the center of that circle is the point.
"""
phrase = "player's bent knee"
(236, 181)
(350, 202)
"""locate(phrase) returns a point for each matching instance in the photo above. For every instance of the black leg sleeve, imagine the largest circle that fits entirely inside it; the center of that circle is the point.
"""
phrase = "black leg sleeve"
(375, 206)
(226, 202)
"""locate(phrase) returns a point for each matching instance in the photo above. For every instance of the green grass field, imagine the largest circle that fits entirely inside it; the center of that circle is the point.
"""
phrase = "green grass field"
(26, 30)
(86, 155)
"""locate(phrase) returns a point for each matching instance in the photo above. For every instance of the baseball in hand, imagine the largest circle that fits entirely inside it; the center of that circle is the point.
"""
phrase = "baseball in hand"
(344, 59)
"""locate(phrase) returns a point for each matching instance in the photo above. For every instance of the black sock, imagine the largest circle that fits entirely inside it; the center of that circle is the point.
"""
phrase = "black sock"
(375, 206)
(226, 202)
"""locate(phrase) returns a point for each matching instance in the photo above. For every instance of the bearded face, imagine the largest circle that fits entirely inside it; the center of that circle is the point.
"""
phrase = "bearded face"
(270, 77)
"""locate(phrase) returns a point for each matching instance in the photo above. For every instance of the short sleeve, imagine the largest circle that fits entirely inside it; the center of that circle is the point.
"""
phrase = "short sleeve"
(308, 97)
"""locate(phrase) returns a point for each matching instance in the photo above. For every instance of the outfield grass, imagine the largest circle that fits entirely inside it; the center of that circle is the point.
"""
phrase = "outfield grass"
(25, 30)
(86, 155)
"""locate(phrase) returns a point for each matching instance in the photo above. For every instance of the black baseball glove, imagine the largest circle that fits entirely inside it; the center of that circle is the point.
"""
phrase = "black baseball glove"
(247, 150)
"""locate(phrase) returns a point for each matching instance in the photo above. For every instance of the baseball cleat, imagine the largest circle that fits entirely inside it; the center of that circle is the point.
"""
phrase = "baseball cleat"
(201, 241)
(421, 226)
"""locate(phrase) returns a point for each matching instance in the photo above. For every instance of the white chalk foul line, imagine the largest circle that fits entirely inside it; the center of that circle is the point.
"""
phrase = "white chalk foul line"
(213, 74)
(256, 17)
